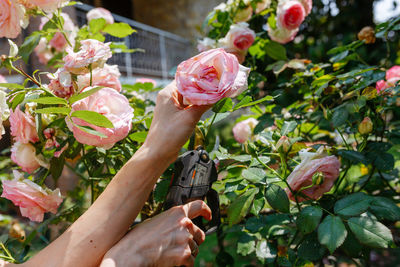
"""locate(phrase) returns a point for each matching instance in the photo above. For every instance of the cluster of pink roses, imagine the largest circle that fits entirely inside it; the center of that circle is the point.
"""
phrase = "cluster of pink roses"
(14, 14)
(392, 77)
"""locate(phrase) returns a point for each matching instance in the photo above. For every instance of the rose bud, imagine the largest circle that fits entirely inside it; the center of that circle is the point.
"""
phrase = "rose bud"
(367, 34)
(243, 130)
(32, 199)
(24, 155)
(208, 77)
(365, 127)
(100, 13)
(239, 36)
(283, 144)
(318, 178)
(16, 231)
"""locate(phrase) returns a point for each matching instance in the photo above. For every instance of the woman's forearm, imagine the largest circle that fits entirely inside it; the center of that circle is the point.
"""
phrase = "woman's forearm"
(108, 219)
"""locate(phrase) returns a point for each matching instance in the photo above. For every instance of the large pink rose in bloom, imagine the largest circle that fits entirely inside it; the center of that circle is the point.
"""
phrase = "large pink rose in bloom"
(108, 76)
(312, 163)
(61, 83)
(392, 77)
(290, 14)
(209, 77)
(11, 18)
(23, 126)
(282, 35)
(100, 13)
(24, 155)
(239, 37)
(111, 104)
(32, 199)
(243, 130)
(46, 5)
(92, 52)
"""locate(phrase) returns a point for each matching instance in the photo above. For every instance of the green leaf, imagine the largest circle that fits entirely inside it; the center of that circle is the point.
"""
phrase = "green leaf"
(84, 94)
(254, 175)
(119, 29)
(308, 219)
(49, 100)
(241, 205)
(339, 117)
(266, 250)
(54, 110)
(353, 156)
(275, 50)
(223, 105)
(385, 209)
(310, 249)
(93, 117)
(17, 99)
(246, 244)
(370, 232)
(353, 204)
(12, 86)
(56, 166)
(351, 246)
(265, 98)
(139, 137)
(29, 44)
(245, 100)
(288, 127)
(277, 198)
(96, 25)
(332, 232)
(90, 130)
(242, 158)
(384, 161)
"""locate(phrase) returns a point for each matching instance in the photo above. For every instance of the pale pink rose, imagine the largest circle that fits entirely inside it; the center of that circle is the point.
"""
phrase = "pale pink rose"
(282, 35)
(307, 4)
(92, 52)
(239, 36)
(43, 52)
(46, 5)
(24, 155)
(206, 44)
(243, 130)
(261, 6)
(100, 13)
(111, 104)
(146, 80)
(393, 75)
(23, 126)
(61, 83)
(290, 14)
(209, 77)
(312, 163)
(11, 18)
(107, 76)
(32, 199)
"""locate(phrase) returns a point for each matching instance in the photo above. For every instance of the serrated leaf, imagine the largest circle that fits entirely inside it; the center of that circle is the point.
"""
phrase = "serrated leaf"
(332, 232)
(244, 101)
(287, 127)
(385, 209)
(223, 105)
(49, 100)
(242, 158)
(84, 94)
(265, 98)
(241, 205)
(29, 44)
(370, 232)
(339, 117)
(353, 204)
(310, 249)
(119, 29)
(54, 110)
(93, 117)
(97, 25)
(277, 198)
(308, 219)
(254, 175)
(353, 156)
(89, 130)
(275, 50)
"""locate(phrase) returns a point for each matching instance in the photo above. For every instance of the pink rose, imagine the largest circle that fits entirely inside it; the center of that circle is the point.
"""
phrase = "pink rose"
(111, 104)
(23, 126)
(393, 75)
(307, 4)
(92, 52)
(32, 199)
(282, 35)
(206, 44)
(243, 130)
(24, 155)
(47, 5)
(209, 77)
(382, 85)
(11, 18)
(61, 83)
(312, 163)
(108, 76)
(146, 80)
(100, 13)
(290, 14)
(239, 37)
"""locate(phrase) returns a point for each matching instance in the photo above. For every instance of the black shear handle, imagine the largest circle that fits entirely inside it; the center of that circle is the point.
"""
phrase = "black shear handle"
(213, 202)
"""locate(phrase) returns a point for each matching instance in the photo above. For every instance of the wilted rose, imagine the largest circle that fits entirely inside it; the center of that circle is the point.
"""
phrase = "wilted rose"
(11, 18)
(290, 14)
(61, 83)
(92, 53)
(107, 76)
(32, 199)
(100, 13)
(112, 105)
(243, 15)
(209, 77)
(302, 175)
(367, 34)
(365, 127)
(243, 130)
(24, 155)
(23, 126)
(239, 36)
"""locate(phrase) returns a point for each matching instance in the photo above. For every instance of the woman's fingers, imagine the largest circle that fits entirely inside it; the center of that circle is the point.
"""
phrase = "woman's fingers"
(193, 247)
(196, 232)
(197, 208)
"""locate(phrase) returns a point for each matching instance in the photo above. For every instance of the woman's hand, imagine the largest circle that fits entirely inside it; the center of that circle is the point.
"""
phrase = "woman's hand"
(171, 126)
(169, 239)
